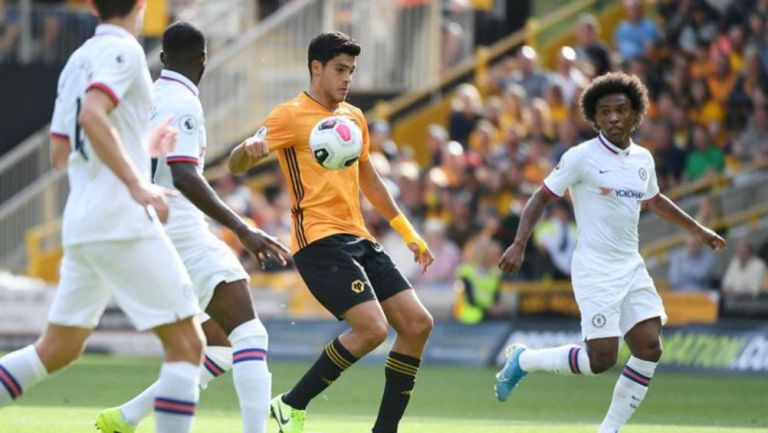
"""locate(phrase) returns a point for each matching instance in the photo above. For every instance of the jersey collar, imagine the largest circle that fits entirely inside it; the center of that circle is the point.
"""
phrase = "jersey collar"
(168, 75)
(112, 30)
(616, 150)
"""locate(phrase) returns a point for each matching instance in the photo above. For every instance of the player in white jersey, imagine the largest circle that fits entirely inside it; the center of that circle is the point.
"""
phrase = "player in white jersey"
(219, 280)
(114, 244)
(610, 179)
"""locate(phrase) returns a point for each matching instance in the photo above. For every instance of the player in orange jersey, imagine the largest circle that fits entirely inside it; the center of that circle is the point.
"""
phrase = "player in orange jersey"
(340, 261)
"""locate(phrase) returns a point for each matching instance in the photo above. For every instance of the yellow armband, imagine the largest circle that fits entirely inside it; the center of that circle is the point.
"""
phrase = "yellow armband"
(403, 227)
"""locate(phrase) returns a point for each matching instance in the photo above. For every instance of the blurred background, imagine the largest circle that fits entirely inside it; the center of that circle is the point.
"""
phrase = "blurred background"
(470, 104)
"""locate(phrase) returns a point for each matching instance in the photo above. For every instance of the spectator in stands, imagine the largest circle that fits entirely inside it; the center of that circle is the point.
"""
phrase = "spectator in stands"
(380, 140)
(567, 75)
(745, 273)
(515, 109)
(739, 103)
(704, 110)
(698, 27)
(447, 255)
(466, 107)
(636, 35)
(436, 140)
(705, 158)
(752, 144)
(589, 49)
(556, 239)
(10, 29)
(527, 73)
(722, 79)
(478, 280)
(691, 269)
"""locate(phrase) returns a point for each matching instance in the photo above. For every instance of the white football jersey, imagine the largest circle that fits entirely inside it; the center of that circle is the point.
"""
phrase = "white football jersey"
(608, 186)
(99, 206)
(175, 97)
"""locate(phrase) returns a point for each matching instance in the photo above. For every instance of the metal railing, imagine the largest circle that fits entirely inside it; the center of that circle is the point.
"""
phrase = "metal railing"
(24, 164)
(41, 202)
(268, 64)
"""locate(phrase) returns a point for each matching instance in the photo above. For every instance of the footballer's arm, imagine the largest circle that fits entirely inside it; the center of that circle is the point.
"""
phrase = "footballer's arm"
(247, 154)
(513, 257)
(376, 192)
(196, 189)
(662, 206)
(106, 142)
(59, 151)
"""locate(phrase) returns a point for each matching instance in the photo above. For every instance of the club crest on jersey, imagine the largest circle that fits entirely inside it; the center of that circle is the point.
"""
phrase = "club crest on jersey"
(187, 124)
(643, 174)
(120, 61)
(358, 286)
(598, 320)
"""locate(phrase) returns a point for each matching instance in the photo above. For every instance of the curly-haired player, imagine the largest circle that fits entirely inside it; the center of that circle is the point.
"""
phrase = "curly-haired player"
(610, 179)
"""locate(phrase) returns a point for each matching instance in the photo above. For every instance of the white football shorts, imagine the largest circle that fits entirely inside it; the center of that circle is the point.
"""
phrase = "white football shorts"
(209, 262)
(146, 277)
(603, 317)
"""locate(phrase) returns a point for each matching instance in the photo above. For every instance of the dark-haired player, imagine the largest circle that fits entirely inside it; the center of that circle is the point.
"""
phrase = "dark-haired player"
(341, 263)
(114, 244)
(610, 179)
(220, 282)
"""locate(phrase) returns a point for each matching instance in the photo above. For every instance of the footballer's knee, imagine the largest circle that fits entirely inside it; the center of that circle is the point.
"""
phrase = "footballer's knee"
(251, 333)
(600, 360)
(649, 351)
(418, 328)
(373, 334)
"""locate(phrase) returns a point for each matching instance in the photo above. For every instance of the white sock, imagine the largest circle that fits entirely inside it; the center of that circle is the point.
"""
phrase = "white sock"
(253, 381)
(628, 394)
(177, 392)
(19, 371)
(564, 360)
(217, 361)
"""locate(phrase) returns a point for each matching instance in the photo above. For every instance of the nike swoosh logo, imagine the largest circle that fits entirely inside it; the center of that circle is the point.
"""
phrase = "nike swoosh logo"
(280, 415)
(603, 171)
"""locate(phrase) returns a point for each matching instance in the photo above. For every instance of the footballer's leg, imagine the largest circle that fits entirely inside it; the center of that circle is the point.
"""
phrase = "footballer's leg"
(600, 328)
(368, 330)
(413, 324)
(57, 347)
(232, 308)
(644, 342)
(217, 360)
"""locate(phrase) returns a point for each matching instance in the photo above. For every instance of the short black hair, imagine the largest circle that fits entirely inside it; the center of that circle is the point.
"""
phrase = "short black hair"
(109, 9)
(614, 82)
(183, 40)
(326, 46)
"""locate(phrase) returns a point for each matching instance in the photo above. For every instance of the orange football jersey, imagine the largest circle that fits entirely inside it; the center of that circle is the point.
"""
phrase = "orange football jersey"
(324, 202)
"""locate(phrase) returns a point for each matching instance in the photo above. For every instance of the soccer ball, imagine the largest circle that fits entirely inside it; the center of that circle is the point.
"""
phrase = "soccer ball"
(336, 142)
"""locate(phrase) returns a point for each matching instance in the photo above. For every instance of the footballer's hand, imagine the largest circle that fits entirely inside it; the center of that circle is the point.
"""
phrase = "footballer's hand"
(512, 258)
(255, 147)
(711, 239)
(421, 255)
(263, 246)
(153, 198)
(162, 139)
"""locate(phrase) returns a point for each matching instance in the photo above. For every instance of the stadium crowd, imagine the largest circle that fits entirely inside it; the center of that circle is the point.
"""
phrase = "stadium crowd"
(706, 71)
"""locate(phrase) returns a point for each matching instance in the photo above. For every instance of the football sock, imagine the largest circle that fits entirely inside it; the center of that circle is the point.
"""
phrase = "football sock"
(328, 367)
(628, 394)
(217, 361)
(176, 397)
(19, 371)
(400, 373)
(253, 381)
(564, 360)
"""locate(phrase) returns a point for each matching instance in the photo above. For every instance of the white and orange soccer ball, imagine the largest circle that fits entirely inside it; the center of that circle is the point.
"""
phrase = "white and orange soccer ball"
(336, 142)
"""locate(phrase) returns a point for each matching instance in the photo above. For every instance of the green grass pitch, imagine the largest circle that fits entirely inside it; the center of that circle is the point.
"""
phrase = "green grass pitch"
(446, 400)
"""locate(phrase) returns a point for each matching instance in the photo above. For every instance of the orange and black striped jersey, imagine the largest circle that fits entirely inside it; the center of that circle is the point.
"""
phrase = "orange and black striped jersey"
(324, 202)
